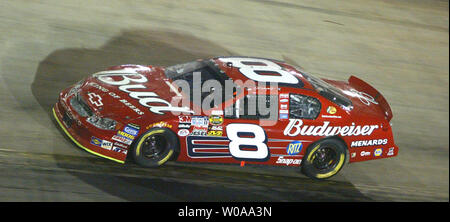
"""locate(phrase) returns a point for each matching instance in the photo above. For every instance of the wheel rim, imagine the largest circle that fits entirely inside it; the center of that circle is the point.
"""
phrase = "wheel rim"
(325, 158)
(154, 146)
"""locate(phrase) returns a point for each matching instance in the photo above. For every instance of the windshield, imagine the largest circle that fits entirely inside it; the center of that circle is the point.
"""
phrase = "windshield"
(201, 71)
(328, 91)
(176, 71)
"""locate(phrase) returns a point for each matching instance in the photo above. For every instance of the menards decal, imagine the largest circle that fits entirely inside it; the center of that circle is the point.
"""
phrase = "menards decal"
(296, 127)
(376, 142)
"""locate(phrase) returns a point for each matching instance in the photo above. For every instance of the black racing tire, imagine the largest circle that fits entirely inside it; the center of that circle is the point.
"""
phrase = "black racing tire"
(324, 159)
(155, 147)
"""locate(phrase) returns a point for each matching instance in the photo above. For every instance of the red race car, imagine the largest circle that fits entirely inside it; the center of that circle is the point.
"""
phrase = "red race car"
(227, 110)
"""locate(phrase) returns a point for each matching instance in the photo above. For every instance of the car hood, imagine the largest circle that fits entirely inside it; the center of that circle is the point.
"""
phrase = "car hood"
(131, 93)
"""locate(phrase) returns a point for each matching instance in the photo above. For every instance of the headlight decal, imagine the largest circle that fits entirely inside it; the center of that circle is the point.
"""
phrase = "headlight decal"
(102, 123)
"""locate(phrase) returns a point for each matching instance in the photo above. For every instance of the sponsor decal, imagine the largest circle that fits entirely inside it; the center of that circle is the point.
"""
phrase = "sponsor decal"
(378, 152)
(200, 124)
(294, 148)
(334, 117)
(365, 153)
(331, 110)
(131, 129)
(284, 116)
(284, 95)
(215, 127)
(199, 121)
(296, 127)
(215, 133)
(184, 122)
(376, 142)
(119, 150)
(184, 119)
(282, 160)
(124, 134)
(284, 100)
(183, 132)
(284, 111)
(216, 120)
(106, 144)
(353, 155)
(96, 141)
(199, 132)
(122, 139)
(120, 145)
(283, 106)
(159, 124)
(390, 151)
(95, 99)
(184, 125)
(101, 143)
(134, 125)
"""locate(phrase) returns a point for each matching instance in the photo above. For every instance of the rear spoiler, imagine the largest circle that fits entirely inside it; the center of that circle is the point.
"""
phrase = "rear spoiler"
(360, 85)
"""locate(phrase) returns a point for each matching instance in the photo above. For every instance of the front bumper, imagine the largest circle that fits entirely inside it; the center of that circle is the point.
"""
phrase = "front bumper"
(82, 137)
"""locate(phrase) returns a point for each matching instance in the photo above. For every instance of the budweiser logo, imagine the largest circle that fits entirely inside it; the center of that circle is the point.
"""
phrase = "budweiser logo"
(129, 82)
(296, 127)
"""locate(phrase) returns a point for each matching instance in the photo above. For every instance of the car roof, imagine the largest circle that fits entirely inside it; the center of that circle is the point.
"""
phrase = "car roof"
(235, 74)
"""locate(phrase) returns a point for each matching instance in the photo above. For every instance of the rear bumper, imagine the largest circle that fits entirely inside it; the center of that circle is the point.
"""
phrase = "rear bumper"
(372, 153)
(85, 142)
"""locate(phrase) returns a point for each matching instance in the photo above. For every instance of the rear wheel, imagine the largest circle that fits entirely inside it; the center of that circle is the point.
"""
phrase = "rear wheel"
(155, 147)
(324, 159)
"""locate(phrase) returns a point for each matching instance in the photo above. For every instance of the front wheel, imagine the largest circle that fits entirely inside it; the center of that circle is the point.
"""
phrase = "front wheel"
(155, 147)
(324, 159)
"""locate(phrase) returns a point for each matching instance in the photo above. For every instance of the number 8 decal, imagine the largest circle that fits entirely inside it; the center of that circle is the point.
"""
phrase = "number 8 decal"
(261, 65)
(237, 141)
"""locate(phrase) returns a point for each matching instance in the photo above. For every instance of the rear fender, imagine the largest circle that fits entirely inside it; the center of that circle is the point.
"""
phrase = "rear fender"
(360, 85)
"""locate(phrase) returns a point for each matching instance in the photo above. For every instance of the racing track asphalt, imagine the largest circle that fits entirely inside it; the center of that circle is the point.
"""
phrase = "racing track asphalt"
(400, 47)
